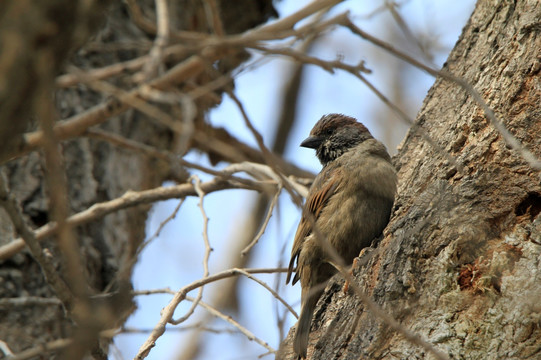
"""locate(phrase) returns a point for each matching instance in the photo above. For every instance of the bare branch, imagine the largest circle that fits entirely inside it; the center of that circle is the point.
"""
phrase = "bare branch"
(130, 199)
(168, 311)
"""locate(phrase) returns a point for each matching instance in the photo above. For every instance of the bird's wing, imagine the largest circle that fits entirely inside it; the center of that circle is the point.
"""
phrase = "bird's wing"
(315, 203)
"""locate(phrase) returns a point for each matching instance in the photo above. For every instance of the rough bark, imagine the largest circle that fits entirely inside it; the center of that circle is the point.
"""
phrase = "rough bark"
(96, 171)
(459, 262)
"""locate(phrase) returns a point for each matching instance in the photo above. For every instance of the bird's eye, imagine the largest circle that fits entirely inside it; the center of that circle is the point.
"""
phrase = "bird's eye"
(328, 132)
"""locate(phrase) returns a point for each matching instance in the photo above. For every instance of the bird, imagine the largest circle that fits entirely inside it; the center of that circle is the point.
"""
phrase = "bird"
(349, 204)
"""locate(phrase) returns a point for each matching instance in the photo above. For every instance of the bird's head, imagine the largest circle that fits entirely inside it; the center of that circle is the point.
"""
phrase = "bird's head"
(333, 135)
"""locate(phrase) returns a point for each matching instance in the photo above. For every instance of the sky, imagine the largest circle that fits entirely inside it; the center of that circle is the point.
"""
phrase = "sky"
(175, 257)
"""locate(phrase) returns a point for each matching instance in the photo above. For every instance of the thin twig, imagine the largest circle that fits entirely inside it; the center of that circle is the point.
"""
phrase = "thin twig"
(155, 63)
(245, 272)
(125, 271)
(162, 224)
(303, 58)
(197, 186)
(230, 320)
(201, 193)
(402, 24)
(213, 17)
(265, 223)
(271, 290)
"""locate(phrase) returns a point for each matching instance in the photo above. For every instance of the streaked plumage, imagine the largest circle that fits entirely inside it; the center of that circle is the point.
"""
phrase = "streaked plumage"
(350, 202)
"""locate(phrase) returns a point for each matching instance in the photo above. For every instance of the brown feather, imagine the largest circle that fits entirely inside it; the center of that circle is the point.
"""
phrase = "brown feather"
(314, 205)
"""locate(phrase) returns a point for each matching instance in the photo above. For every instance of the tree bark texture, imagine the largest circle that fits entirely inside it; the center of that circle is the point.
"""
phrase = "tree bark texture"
(96, 171)
(459, 262)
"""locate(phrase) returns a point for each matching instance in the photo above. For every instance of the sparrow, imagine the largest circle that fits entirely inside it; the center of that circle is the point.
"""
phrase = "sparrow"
(349, 203)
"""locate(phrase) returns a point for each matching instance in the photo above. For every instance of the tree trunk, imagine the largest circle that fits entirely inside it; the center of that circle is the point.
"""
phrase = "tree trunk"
(459, 262)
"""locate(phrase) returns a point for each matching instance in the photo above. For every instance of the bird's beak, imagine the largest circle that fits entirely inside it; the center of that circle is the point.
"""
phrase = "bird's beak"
(312, 142)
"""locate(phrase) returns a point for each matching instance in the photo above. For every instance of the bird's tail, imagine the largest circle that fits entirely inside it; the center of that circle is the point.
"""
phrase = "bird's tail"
(300, 343)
